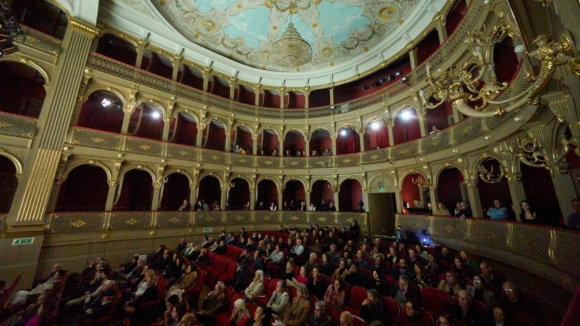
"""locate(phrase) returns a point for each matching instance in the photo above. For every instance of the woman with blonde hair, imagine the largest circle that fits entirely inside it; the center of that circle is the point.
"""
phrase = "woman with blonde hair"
(256, 287)
(442, 210)
(240, 315)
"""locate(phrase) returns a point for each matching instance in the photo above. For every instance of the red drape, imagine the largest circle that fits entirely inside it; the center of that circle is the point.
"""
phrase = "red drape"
(349, 143)
(85, 189)
(294, 190)
(270, 142)
(137, 192)
(449, 189)
(411, 191)
(376, 138)
(216, 137)
(209, 190)
(321, 190)
(149, 127)
(186, 132)
(408, 130)
(320, 141)
(294, 141)
(244, 139)
(240, 194)
(349, 196)
(267, 193)
(8, 183)
(174, 191)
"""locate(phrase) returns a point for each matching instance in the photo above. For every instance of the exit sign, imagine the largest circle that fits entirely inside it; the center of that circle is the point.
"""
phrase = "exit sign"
(206, 230)
(22, 241)
(382, 189)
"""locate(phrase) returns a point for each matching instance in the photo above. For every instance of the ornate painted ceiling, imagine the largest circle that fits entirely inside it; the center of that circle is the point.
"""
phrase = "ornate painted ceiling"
(245, 30)
(338, 38)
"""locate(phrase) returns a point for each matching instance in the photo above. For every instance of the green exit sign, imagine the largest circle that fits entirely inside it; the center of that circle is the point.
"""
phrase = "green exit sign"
(206, 230)
(382, 189)
(22, 241)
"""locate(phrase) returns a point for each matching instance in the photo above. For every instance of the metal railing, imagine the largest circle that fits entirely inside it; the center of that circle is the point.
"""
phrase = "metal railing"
(60, 223)
(546, 248)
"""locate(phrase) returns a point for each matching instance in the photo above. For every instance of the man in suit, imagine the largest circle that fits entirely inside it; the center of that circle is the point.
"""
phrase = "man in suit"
(478, 292)
(212, 304)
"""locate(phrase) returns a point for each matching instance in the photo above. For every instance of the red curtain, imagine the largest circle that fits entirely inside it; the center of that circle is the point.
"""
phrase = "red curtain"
(175, 191)
(94, 115)
(320, 141)
(321, 190)
(411, 191)
(240, 194)
(85, 189)
(293, 142)
(186, 133)
(8, 183)
(221, 90)
(137, 192)
(408, 130)
(349, 196)
(294, 190)
(376, 138)
(270, 142)
(267, 193)
(449, 188)
(244, 139)
(437, 117)
(149, 127)
(349, 143)
(209, 190)
(247, 97)
(117, 48)
(216, 137)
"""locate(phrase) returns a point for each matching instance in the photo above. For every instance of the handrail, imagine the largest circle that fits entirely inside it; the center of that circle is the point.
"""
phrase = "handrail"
(545, 251)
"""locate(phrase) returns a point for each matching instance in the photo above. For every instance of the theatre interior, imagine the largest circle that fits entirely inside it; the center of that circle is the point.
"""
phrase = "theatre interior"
(445, 131)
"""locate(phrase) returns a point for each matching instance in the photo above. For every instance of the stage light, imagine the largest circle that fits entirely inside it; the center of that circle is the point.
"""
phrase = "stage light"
(105, 102)
(406, 115)
(343, 132)
(156, 115)
(398, 73)
(376, 125)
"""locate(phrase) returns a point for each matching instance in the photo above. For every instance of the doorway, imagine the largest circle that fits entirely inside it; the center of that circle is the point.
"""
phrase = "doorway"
(382, 209)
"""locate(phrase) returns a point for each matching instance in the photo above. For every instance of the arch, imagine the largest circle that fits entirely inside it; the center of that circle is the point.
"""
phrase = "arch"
(65, 6)
(240, 194)
(265, 194)
(323, 178)
(169, 172)
(31, 63)
(312, 131)
(241, 176)
(348, 140)
(176, 188)
(8, 182)
(402, 107)
(242, 125)
(85, 188)
(446, 166)
(411, 193)
(294, 178)
(350, 177)
(135, 192)
(449, 190)
(102, 110)
(412, 171)
(373, 119)
(267, 177)
(349, 194)
(473, 170)
(294, 190)
(150, 101)
(74, 165)
(123, 36)
(210, 174)
(286, 132)
(14, 160)
(262, 129)
(185, 111)
(208, 190)
(372, 179)
(126, 169)
(321, 191)
(98, 87)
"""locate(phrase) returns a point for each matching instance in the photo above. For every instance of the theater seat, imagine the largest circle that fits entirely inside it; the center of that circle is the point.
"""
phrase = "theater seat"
(357, 296)
(262, 301)
(436, 301)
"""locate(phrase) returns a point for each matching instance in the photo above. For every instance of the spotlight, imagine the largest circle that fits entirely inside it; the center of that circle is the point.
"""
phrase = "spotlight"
(156, 115)
(105, 102)
(406, 115)
(376, 125)
(398, 73)
(343, 132)
(405, 80)
(332, 107)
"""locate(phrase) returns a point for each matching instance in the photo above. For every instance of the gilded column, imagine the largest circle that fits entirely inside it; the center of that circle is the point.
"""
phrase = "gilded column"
(33, 190)
(564, 185)
(335, 197)
(141, 44)
(253, 198)
(224, 196)
(111, 195)
(307, 145)
(441, 31)
(413, 59)
(474, 199)
(232, 83)
(175, 62)
(307, 97)
(331, 91)
(399, 200)
(333, 137)
(255, 143)
(517, 192)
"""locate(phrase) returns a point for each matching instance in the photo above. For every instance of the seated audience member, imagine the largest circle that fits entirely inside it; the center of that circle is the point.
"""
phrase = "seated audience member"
(489, 277)
(377, 253)
(421, 278)
(499, 318)
(403, 269)
(393, 256)
(378, 283)
(301, 278)
(297, 250)
(515, 305)
(256, 287)
(327, 267)
(221, 249)
(442, 210)
(147, 292)
(461, 271)
(288, 273)
(346, 257)
(171, 302)
(240, 315)
(497, 212)
(413, 316)
(101, 307)
(317, 285)
(312, 262)
(432, 265)
(320, 316)
(92, 297)
(345, 318)
(469, 261)
(402, 291)
(174, 316)
(187, 281)
(464, 210)
(465, 312)
(54, 282)
(449, 284)
(279, 300)
(299, 312)
(335, 293)
(332, 208)
(444, 258)
(573, 221)
(379, 265)
(445, 320)
(260, 318)
(373, 308)
(341, 272)
(333, 253)
(478, 292)
(354, 276)
(360, 260)
(413, 257)
(212, 304)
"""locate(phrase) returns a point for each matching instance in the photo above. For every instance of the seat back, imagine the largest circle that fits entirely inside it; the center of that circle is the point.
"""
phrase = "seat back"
(357, 295)
(393, 309)
(436, 300)
(334, 314)
(426, 318)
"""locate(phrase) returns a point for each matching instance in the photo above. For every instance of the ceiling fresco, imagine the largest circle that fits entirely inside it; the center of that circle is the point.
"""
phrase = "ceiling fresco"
(247, 31)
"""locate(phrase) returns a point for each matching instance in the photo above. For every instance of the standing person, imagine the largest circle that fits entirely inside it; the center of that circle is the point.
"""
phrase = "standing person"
(354, 230)
(497, 212)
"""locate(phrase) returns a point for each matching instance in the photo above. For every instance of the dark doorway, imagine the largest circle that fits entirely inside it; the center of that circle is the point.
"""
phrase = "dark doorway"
(382, 209)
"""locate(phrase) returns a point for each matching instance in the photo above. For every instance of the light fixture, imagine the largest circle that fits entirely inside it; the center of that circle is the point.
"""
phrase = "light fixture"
(398, 73)
(376, 125)
(106, 102)
(156, 115)
(343, 132)
(463, 84)
(406, 115)
(291, 50)
(490, 176)
(388, 78)
(527, 149)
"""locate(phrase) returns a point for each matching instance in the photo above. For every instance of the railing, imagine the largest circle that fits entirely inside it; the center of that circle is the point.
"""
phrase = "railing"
(17, 125)
(59, 223)
(127, 72)
(546, 248)
(38, 40)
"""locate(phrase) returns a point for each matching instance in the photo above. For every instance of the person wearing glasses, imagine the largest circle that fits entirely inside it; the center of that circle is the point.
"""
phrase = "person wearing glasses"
(478, 292)
(320, 317)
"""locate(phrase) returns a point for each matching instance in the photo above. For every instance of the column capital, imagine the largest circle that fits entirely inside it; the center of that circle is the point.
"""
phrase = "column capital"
(83, 27)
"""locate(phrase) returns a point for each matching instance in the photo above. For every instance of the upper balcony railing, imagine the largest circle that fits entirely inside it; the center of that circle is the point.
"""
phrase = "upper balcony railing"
(82, 222)
(548, 247)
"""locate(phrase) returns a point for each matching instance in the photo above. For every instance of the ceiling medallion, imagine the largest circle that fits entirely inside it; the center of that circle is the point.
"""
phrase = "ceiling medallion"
(291, 49)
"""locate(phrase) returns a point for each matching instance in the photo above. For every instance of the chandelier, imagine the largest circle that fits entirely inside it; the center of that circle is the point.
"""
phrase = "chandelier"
(490, 176)
(463, 84)
(422, 183)
(291, 50)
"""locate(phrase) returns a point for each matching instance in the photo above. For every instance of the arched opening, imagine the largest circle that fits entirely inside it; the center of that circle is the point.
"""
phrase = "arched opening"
(244, 139)
(220, 87)
(412, 193)
(319, 97)
(541, 194)
(493, 189)
(136, 192)
(319, 142)
(350, 195)
(269, 142)
(26, 85)
(183, 129)
(270, 98)
(209, 190)
(321, 194)
(293, 143)
(376, 135)
(190, 76)
(146, 121)
(239, 194)
(175, 190)
(245, 94)
(294, 100)
(439, 117)
(455, 16)
(8, 183)
(41, 15)
(406, 126)
(294, 191)
(102, 111)
(428, 45)
(157, 64)
(267, 193)
(215, 136)
(505, 60)
(116, 48)
(348, 141)
(85, 189)
(449, 188)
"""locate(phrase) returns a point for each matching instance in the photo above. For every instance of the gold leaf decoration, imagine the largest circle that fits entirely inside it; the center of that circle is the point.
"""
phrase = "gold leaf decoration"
(78, 224)
(145, 147)
(131, 221)
(5, 124)
(97, 140)
(174, 220)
